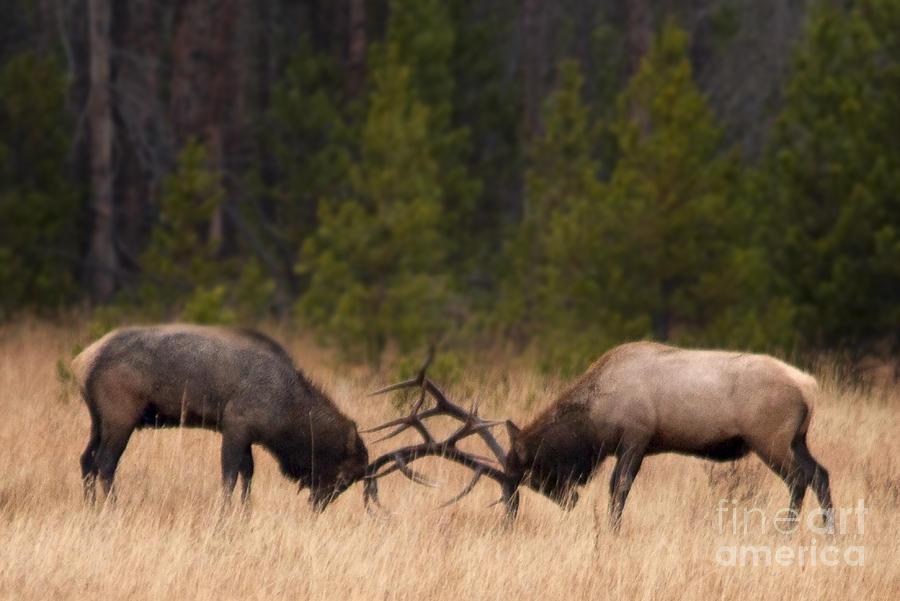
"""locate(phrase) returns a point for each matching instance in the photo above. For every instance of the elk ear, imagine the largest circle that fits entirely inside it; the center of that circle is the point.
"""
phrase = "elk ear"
(515, 444)
(513, 430)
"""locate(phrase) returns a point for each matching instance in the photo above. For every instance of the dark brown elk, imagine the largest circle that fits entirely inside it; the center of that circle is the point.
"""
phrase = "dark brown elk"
(235, 381)
(638, 399)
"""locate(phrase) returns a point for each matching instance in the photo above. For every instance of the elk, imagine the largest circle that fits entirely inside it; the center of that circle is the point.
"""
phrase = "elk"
(638, 399)
(235, 381)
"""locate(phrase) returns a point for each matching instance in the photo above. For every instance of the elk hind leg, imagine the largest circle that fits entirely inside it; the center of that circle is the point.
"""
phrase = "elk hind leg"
(815, 475)
(778, 455)
(113, 441)
(89, 463)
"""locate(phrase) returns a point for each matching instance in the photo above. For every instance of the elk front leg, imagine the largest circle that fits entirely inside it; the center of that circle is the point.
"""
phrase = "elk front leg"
(246, 470)
(235, 450)
(628, 463)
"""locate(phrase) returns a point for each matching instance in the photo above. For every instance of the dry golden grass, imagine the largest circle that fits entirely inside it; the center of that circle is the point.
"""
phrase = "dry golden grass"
(163, 539)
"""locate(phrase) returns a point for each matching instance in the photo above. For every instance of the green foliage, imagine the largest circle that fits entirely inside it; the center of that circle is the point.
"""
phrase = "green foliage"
(68, 387)
(487, 101)
(183, 271)
(38, 233)
(252, 292)
(311, 141)
(182, 258)
(834, 172)
(416, 211)
(208, 305)
(561, 174)
(108, 317)
(677, 217)
(376, 261)
(421, 35)
(663, 249)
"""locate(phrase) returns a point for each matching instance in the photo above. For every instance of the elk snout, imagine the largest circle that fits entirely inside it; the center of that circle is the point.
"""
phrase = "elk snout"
(511, 497)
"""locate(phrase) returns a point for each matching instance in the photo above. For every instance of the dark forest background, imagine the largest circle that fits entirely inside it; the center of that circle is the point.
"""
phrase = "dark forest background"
(562, 175)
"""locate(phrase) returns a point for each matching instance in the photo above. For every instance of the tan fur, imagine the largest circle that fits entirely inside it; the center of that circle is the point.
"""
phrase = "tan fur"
(689, 398)
(82, 363)
(643, 398)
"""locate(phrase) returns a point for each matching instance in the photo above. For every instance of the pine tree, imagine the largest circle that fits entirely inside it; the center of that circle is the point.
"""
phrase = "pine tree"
(487, 101)
(376, 263)
(561, 174)
(835, 171)
(422, 34)
(39, 243)
(312, 142)
(654, 251)
(677, 222)
(182, 272)
(180, 249)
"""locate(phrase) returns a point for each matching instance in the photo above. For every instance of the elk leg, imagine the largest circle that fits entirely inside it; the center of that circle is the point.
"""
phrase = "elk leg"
(511, 500)
(817, 475)
(235, 449)
(788, 457)
(789, 470)
(628, 463)
(797, 483)
(112, 444)
(781, 460)
(89, 464)
(246, 470)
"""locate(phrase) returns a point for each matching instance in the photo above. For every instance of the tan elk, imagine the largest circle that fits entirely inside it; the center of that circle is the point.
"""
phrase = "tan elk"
(234, 381)
(638, 399)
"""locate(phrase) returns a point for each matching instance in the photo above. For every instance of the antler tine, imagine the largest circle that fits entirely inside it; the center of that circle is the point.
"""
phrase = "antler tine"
(409, 422)
(427, 364)
(411, 473)
(413, 420)
(473, 425)
(391, 434)
(370, 496)
(404, 384)
(394, 422)
(466, 490)
(419, 403)
(417, 381)
(458, 412)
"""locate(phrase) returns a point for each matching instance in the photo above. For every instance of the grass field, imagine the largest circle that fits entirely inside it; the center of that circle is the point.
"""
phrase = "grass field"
(163, 539)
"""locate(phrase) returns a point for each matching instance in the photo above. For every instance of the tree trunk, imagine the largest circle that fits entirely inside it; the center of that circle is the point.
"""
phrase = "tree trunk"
(638, 39)
(662, 316)
(204, 81)
(639, 34)
(102, 263)
(146, 149)
(356, 49)
(534, 52)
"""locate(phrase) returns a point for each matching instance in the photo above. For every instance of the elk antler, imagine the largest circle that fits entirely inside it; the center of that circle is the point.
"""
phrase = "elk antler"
(471, 424)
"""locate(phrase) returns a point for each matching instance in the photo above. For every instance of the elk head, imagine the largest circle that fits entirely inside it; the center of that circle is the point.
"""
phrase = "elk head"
(338, 470)
(536, 463)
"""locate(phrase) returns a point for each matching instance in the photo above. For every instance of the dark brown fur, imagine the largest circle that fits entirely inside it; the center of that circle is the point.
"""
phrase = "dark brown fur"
(234, 381)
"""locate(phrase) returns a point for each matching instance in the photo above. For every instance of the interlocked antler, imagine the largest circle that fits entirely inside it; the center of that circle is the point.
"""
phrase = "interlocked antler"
(399, 459)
